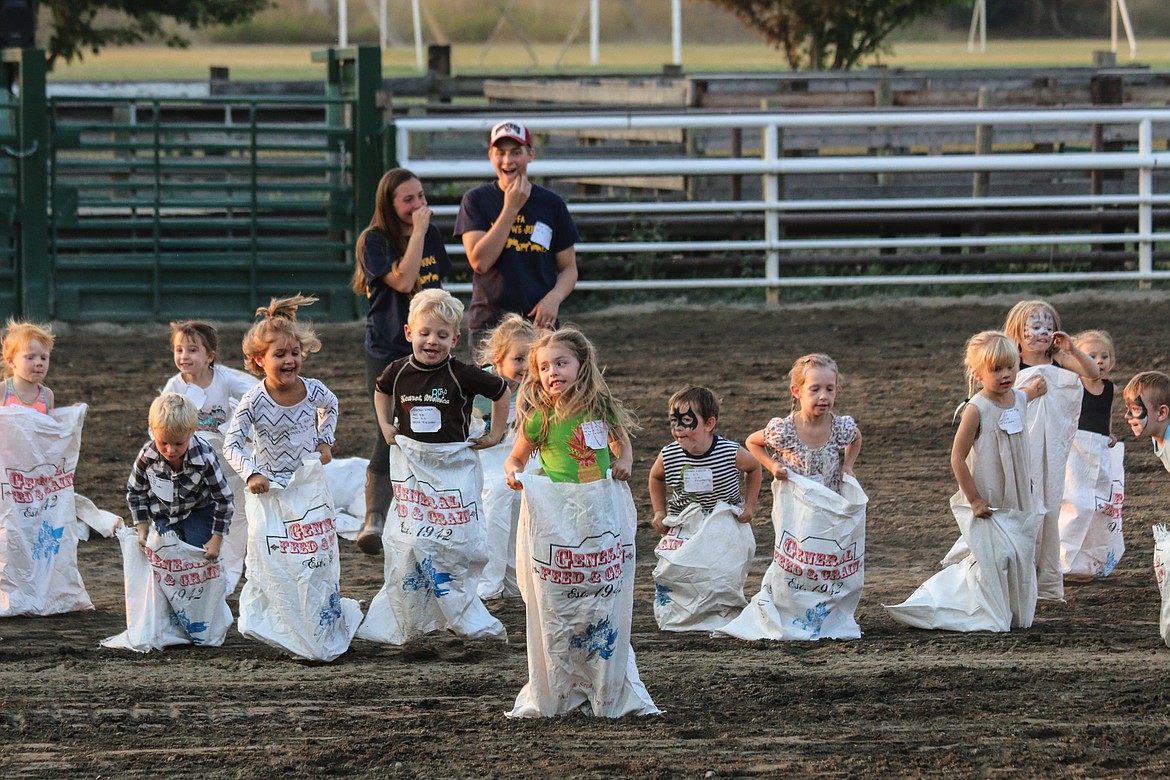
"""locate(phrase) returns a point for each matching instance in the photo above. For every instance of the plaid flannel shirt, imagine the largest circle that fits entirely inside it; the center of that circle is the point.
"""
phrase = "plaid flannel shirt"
(199, 482)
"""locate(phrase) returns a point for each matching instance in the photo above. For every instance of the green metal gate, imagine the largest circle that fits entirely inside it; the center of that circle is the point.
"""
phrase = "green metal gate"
(9, 203)
(163, 207)
(24, 266)
(198, 207)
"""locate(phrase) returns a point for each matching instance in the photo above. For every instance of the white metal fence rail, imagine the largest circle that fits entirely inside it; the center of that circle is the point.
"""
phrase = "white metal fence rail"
(770, 165)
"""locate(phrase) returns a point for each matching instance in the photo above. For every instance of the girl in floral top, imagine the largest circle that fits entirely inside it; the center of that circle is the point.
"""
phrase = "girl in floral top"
(809, 441)
(566, 412)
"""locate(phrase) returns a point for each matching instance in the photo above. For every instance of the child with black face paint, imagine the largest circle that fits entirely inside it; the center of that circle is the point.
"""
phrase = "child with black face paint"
(699, 466)
(1147, 410)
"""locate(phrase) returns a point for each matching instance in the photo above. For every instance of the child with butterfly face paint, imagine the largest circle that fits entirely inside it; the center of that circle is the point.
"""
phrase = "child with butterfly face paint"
(1035, 327)
(1051, 366)
(699, 466)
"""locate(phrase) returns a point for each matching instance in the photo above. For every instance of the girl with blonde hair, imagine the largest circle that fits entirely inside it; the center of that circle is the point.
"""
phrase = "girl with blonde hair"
(569, 415)
(578, 608)
(1051, 366)
(286, 416)
(811, 439)
(27, 348)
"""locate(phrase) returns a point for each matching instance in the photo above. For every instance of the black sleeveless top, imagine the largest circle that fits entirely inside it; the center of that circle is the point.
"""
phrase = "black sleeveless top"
(1096, 409)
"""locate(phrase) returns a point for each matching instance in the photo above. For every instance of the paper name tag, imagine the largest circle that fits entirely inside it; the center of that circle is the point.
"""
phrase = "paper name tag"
(196, 395)
(542, 235)
(162, 487)
(1010, 421)
(596, 434)
(425, 419)
(698, 481)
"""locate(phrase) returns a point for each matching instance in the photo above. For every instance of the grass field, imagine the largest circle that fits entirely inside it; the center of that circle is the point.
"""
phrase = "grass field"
(294, 61)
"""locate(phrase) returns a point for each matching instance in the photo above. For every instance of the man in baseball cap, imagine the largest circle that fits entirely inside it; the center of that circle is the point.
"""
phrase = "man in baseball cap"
(519, 239)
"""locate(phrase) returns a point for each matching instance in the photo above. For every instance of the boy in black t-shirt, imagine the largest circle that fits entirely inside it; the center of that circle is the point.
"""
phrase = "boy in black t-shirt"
(428, 395)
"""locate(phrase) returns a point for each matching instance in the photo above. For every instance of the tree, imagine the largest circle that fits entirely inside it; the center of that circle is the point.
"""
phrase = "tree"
(836, 34)
(81, 25)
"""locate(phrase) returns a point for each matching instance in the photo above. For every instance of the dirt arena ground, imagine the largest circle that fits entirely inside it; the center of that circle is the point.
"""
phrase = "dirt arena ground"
(1085, 692)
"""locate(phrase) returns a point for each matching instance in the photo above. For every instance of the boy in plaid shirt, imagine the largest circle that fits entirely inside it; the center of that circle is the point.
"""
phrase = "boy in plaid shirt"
(176, 482)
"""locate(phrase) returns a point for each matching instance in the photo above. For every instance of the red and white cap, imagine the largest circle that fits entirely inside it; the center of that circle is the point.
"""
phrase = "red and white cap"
(514, 130)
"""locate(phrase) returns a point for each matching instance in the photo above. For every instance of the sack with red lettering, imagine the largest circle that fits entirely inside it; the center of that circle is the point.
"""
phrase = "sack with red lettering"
(291, 598)
(1091, 543)
(433, 545)
(174, 596)
(38, 514)
(149, 620)
(812, 587)
(1162, 573)
(703, 562)
(501, 511)
(575, 566)
(235, 542)
(993, 588)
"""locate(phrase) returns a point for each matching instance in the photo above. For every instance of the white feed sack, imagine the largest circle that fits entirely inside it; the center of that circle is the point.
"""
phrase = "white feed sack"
(575, 566)
(814, 583)
(174, 596)
(703, 562)
(90, 518)
(291, 598)
(1162, 573)
(38, 514)
(992, 589)
(235, 543)
(347, 485)
(1052, 424)
(501, 512)
(434, 548)
(1091, 543)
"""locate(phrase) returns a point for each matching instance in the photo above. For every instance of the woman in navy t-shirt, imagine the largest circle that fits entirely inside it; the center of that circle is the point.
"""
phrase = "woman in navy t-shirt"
(400, 253)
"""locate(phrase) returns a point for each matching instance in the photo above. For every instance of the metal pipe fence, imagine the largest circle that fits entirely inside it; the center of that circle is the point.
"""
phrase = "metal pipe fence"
(884, 163)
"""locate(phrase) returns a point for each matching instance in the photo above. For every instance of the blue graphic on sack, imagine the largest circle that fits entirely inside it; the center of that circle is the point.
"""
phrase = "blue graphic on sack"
(813, 619)
(427, 579)
(191, 627)
(330, 616)
(1109, 565)
(48, 541)
(662, 595)
(598, 639)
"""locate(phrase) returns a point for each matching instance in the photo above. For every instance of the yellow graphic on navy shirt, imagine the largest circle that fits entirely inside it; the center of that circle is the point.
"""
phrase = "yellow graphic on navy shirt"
(427, 277)
(430, 277)
(521, 237)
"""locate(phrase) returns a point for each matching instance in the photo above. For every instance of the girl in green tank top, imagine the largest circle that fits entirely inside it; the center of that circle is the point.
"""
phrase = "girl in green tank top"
(565, 411)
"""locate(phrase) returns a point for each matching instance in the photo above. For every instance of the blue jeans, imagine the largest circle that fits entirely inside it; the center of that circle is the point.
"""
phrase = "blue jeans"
(194, 529)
